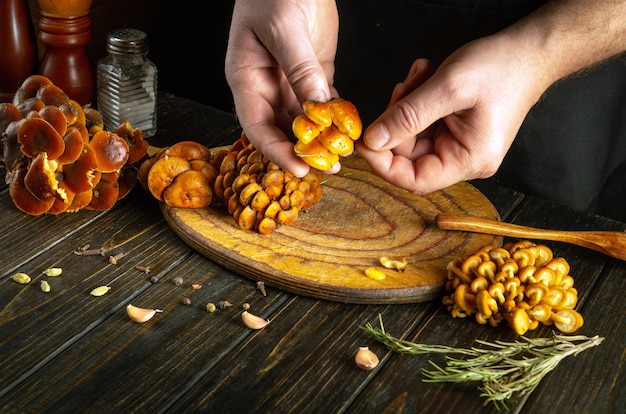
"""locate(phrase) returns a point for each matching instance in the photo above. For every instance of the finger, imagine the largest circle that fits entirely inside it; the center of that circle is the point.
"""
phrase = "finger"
(405, 173)
(273, 143)
(445, 164)
(420, 71)
(263, 128)
(412, 114)
(296, 56)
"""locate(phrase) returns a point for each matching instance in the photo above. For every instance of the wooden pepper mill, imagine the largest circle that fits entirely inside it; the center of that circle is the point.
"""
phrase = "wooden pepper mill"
(65, 30)
(18, 49)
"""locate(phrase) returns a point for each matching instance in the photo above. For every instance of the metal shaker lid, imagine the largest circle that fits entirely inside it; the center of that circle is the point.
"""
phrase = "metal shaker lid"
(127, 41)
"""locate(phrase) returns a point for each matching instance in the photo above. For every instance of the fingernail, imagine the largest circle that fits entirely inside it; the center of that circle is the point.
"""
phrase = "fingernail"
(318, 96)
(376, 136)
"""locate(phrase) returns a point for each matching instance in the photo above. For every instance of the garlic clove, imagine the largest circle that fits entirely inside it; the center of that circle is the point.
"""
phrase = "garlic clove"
(366, 359)
(140, 314)
(253, 321)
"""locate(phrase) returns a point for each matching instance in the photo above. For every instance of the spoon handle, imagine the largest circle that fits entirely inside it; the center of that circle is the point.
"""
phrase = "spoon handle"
(611, 243)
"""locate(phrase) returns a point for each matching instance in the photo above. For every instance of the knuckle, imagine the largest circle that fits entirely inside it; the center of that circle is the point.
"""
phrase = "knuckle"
(409, 116)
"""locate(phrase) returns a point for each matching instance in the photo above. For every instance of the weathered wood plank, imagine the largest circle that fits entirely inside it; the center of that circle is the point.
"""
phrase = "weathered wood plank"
(23, 237)
(303, 362)
(123, 366)
(26, 312)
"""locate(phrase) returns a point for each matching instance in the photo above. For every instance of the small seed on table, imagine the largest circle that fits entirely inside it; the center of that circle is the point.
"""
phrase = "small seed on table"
(45, 286)
(113, 259)
(261, 286)
(223, 304)
(53, 271)
(394, 263)
(178, 281)
(99, 291)
(374, 273)
(90, 252)
(21, 278)
(145, 269)
(210, 307)
(186, 301)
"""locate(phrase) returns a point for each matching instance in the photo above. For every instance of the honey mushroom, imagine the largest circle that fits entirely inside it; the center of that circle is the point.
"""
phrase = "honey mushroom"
(326, 131)
(257, 193)
(521, 283)
(180, 175)
(56, 152)
(260, 195)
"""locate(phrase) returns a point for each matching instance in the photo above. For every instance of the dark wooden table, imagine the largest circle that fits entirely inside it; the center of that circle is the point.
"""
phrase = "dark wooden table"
(66, 351)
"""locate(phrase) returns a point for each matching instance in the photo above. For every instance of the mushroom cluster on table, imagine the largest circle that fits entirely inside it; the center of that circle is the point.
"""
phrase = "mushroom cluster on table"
(257, 193)
(521, 283)
(58, 156)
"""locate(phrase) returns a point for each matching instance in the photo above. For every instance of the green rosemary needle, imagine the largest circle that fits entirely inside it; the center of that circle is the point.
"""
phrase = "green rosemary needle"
(506, 370)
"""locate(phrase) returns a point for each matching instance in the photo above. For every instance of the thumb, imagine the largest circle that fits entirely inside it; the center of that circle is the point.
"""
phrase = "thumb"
(412, 114)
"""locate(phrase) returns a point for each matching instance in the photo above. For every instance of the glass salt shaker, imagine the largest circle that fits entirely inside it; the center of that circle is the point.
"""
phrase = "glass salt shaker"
(127, 82)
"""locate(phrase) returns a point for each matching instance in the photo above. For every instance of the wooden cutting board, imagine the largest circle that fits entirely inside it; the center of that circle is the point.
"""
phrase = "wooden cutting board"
(359, 218)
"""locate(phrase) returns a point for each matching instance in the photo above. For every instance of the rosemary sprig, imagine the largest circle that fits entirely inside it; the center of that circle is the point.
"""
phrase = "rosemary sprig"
(505, 370)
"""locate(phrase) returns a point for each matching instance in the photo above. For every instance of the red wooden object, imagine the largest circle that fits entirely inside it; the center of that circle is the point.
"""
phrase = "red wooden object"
(65, 61)
(18, 49)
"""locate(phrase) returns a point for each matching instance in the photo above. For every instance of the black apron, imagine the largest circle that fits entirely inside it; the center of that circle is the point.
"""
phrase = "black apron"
(571, 147)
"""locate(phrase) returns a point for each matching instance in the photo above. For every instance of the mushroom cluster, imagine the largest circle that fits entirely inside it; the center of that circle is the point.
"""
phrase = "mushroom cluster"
(326, 131)
(57, 155)
(181, 175)
(521, 283)
(256, 192)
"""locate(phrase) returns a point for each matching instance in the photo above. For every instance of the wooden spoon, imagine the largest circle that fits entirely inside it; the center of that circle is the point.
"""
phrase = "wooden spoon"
(611, 243)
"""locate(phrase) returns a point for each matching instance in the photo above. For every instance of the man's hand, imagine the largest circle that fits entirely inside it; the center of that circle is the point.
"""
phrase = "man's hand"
(459, 123)
(280, 53)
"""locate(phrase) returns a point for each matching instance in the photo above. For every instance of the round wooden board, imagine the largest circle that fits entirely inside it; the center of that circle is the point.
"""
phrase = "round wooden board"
(359, 218)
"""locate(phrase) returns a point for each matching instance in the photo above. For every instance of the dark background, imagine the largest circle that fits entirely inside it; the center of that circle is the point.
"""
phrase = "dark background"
(188, 41)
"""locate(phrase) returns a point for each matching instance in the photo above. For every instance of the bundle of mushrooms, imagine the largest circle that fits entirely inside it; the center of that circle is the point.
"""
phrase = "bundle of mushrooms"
(521, 283)
(57, 155)
(258, 194)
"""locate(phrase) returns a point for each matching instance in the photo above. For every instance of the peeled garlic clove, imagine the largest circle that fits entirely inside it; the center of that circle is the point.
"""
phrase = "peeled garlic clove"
(140, 314)
(253, 321)
(366, 359)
